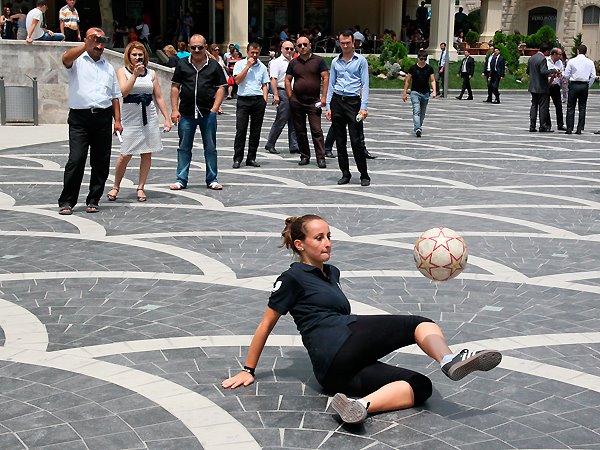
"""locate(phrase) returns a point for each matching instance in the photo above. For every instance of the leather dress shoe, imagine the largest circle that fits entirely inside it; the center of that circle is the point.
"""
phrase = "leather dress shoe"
(272, 151)
(487, 101)
(369, 156)
(532, 130)
(329, 154)
(578, 132)
(321, 163)
(597, 132)
(469, 98)
(568, 132)
(564, 129)
(344, 180)
(458, 97)
(252, 163)
(294, 150)
(304, 162)
(236, 165)
(546, 130)
(365, 182)
(496, 102)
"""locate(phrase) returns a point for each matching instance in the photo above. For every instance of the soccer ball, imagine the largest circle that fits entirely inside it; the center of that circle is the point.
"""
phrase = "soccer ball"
(440, 254)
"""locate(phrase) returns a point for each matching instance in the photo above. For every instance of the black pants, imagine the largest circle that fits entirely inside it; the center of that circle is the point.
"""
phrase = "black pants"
(71, 35)
(578, 94)
(356, 371)
(93, 131)
(466, 85)
(305, 109)
(489, 88)
(556, 97)
(540, 103)
(343, 114)
(494, 85)
(249, 109)
(330, 138)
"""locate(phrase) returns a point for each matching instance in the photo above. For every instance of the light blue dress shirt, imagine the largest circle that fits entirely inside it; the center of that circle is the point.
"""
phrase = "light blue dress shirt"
(255, 78)
(349, 79)
(92, 84)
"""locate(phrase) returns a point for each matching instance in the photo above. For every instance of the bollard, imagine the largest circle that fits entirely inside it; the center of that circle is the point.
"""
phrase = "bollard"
(3, 102)
(36, 113)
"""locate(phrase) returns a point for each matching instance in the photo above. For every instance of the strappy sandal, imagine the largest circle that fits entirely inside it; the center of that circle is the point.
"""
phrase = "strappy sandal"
(141, 198)
(112, 197)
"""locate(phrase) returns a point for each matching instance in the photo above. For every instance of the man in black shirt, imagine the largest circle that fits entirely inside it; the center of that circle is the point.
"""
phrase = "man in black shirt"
(197, 91)
(419, 76)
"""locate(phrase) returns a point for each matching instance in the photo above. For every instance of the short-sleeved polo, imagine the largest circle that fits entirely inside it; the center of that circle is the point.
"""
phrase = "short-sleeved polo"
(319, 308)
(307, 77)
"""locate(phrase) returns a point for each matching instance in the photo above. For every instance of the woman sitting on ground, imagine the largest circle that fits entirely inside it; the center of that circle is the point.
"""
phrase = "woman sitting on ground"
(141, 133)
(344, 348)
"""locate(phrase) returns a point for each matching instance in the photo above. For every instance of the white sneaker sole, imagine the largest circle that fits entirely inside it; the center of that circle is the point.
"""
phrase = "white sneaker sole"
(350, 411)
(484, 361)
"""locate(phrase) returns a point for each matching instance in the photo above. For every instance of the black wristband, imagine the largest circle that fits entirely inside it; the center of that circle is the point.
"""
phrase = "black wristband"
(250, 370)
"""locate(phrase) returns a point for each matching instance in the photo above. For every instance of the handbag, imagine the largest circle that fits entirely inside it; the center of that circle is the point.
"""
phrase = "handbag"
(230, 81)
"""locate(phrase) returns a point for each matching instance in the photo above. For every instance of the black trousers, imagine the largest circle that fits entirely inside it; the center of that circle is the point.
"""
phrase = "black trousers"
(249, 109)
(71, 35)
(330, 138)
(489, 88)
(466, 85)
(343, 114)
(578, 94)
(301, 110)
(540, 103)
(494, 85)
(91, 131)
(355, 369)
(556, 97)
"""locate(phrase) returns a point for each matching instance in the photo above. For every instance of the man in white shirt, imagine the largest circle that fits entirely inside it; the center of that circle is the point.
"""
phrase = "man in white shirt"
(34, 24)
(277, 71)
(581, 74)
(439, 75)
(252, 77)
(555, 62)
(93, 101)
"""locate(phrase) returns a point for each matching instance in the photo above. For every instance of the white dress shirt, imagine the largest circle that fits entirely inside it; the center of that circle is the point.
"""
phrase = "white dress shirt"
(558, 65)
(92, 84)
(581, 68)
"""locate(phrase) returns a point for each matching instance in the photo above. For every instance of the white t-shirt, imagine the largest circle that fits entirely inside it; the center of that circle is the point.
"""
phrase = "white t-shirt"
(277, 69)
(35, 13)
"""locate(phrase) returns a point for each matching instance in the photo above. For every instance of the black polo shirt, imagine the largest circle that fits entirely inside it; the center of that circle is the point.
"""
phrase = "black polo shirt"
(320, 310)
(200, 85)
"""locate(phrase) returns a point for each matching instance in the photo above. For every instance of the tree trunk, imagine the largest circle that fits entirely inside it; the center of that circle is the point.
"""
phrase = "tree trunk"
(106, 14)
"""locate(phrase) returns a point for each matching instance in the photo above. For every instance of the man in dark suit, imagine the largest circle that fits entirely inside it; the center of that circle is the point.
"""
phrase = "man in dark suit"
(486, 73)
(497, 67)
(537, 69)
(466, 71)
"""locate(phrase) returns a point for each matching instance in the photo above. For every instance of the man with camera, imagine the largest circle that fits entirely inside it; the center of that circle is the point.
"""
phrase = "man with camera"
(93, 101)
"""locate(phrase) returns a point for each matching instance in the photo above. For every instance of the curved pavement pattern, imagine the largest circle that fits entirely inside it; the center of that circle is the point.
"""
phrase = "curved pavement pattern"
(117, 328)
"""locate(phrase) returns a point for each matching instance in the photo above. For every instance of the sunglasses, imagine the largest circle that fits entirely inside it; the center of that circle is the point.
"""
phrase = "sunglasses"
(288, 48)
(197, 47)
(422, 59)
(303, 44)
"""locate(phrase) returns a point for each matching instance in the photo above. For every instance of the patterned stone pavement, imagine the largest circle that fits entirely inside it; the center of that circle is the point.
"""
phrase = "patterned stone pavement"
(117, 328)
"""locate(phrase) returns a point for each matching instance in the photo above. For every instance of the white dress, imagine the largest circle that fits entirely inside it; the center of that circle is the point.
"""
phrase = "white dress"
(137, 137)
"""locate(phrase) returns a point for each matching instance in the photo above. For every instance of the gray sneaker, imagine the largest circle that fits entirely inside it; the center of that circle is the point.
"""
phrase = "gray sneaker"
(351, 411)
(466, 362)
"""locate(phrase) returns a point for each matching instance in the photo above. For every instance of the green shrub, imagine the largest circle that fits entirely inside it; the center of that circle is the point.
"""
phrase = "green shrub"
(471, 37)
(499, 38)
(521, 73)
(375, 66)
(577, 41)
(407, 62)
(510, 53)
(516, 38)
(547, 34)
(393, 51)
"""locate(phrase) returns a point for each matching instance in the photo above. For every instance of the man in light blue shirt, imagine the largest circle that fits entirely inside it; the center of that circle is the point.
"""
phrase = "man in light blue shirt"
(252, 78)
(347, 99)
(439, 75)
(93, 101)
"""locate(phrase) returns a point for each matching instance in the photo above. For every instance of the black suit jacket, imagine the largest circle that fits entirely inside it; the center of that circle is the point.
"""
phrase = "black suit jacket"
(470, 66)
(485, 64)
(497, 66)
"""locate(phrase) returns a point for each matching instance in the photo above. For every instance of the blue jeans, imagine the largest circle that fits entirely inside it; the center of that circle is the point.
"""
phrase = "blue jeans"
(47, 37)
(187, 130)
(419, 106)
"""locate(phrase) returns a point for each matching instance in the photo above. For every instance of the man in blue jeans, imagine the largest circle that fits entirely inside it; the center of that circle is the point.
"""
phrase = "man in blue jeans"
(197, 91)
(418, 78)
(34, 23)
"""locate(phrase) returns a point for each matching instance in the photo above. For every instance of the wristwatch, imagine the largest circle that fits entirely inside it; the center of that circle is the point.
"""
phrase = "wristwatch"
(250, 370)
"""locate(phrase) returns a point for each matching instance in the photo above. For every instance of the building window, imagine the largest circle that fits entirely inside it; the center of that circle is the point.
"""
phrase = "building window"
(541, 16)
(591, 15)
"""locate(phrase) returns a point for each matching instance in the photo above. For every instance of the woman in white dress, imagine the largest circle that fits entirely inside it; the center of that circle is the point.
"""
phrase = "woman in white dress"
(141, 133)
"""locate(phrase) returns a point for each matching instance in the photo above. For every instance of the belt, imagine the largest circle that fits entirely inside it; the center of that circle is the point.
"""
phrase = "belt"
(578, 82)
(93, 110)
(346, 98)
(250, 96)
(144, 99)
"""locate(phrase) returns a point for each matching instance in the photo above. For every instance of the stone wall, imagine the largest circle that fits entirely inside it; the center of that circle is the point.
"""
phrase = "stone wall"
(18, 60)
